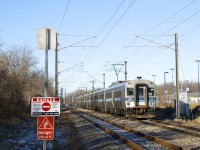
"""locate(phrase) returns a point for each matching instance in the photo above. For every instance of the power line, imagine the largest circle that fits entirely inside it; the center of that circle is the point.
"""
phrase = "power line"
(151, 41)
(78, 43)
(110, 18)
(75, 58)
(116, 23)
(63, 15)
(182, 22)
(189, 31)
(162, 22)
(112, 27)
(73, 35)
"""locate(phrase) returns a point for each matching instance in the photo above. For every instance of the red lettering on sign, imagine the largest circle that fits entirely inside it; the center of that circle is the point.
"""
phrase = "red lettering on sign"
(45, 128)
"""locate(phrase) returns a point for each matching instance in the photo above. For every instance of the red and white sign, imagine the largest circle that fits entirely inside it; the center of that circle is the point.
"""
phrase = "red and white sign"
(45, 128)
(45, 106)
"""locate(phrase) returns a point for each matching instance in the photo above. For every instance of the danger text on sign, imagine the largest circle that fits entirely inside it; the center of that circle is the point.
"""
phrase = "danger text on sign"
(45, 128)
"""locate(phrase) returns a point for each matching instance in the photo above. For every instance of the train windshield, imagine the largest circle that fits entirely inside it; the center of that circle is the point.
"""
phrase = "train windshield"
(140, 91)
(130, 91)
(151, 92)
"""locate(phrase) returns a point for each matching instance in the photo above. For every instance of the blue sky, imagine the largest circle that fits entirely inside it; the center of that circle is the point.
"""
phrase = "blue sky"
(100, 33)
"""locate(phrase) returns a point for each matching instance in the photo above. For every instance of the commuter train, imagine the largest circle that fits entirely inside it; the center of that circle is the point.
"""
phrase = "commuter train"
(133, 98)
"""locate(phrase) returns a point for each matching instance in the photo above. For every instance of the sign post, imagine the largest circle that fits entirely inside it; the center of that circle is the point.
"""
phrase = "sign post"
(46, 40)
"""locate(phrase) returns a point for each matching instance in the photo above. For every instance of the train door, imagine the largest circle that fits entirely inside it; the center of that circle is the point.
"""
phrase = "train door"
(113, 102)
(141, 95)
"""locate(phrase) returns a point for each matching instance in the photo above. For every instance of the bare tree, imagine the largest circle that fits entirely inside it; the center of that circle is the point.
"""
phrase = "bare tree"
(19, 80)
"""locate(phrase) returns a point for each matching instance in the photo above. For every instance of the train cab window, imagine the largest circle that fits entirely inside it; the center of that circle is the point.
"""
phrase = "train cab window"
(140, 91)
(151, 92)
(130, 91)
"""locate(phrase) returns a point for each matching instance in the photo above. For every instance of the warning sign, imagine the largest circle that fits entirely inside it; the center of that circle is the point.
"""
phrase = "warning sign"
(45, 106)
(45, 128)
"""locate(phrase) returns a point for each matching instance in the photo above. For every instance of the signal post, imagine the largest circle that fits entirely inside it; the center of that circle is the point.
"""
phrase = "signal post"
(45, 108)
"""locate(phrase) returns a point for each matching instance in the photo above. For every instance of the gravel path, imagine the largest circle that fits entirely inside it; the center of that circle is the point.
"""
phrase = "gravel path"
(92, 138)
(71, 133)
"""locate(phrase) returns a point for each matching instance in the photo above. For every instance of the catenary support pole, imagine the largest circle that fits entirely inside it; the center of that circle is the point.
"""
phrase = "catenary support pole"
(177, 78)
(154, 77)
(46, 72)
(56, 67)
(125, 71)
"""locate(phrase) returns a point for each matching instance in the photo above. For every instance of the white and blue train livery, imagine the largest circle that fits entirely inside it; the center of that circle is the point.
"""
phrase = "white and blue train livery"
(134, 97)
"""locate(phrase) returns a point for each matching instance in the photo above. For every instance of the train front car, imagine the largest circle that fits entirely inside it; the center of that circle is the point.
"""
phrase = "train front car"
(140, 98)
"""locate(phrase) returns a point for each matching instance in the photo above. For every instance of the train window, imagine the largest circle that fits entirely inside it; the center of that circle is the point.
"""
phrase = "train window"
(151, 92)
(140, 91)
(117, 94)
(130, 91)
(108, 95)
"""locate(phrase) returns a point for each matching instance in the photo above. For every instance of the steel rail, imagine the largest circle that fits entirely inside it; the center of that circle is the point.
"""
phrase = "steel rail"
(146, 136)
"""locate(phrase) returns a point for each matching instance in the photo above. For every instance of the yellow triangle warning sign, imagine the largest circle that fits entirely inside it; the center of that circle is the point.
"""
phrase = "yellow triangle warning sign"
(45, 124)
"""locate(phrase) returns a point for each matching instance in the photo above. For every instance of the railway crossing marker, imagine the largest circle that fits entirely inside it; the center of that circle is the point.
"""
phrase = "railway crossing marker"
(45, 128)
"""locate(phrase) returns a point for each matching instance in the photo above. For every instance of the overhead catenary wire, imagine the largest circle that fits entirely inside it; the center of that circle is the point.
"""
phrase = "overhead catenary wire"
(150, 31)
(88, 60)
(75, 44)
(73, 35)
(156, 26)
(150, 41)
(112, 28)
(63, 16)
(170, 17)
(116, 23)
(192, 29)
(91, 56)
(66, 52)
(110, 18)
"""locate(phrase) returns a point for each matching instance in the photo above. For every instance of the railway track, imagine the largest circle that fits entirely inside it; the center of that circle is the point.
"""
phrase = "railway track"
(170, 137)
(133, 139)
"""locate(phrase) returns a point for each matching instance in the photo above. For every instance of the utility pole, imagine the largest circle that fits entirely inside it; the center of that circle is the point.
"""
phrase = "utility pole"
(65, 96)
(61, 93)
(92, 85)
(165, 88)
(198, 80)
(154, 76)
(104, 86)
(46, 39)
(172, 69)
(46, 72)
(46, 63)
(125, 71)
(177, 78)
(93, 104)
(56, 67)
